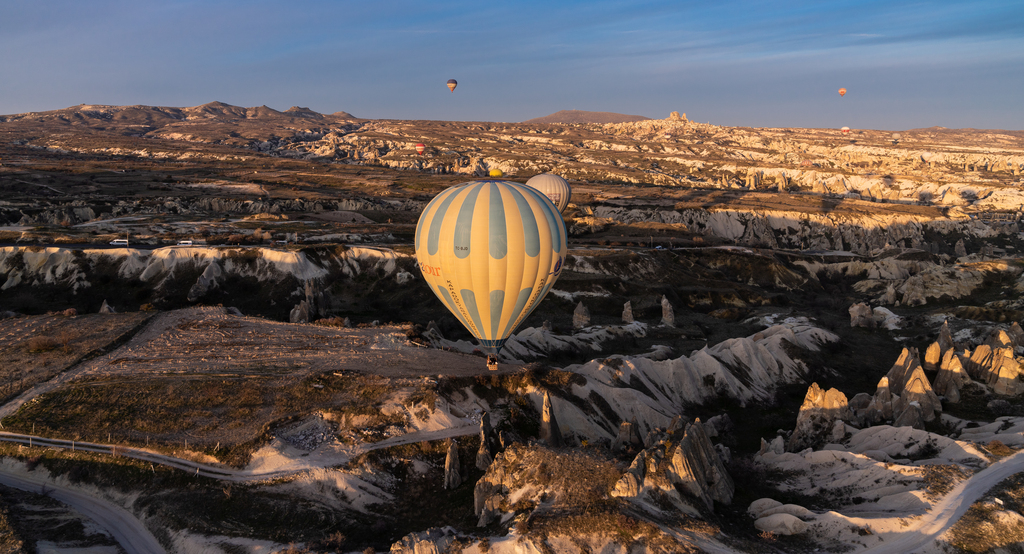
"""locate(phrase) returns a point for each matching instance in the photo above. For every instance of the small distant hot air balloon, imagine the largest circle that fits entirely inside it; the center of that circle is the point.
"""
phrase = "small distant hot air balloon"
(554, 187)
(842, 92)
(896, 137)
(490, 251)
(452, 83)
(845, 130)
(420, 148)
(495, 173)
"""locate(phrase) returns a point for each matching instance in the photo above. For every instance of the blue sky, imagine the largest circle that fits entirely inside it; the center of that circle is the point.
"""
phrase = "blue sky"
(729, 62)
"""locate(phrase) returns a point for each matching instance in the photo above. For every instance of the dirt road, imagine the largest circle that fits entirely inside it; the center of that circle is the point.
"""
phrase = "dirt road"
(122, 525)
(332, 456)
(951, 508)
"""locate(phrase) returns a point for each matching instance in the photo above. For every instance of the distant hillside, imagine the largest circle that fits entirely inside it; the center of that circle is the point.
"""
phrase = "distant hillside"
(580, 116)
(157, 116)
(967, 131)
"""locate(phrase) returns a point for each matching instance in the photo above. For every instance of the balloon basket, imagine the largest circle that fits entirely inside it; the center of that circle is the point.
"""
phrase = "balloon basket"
(492, 362)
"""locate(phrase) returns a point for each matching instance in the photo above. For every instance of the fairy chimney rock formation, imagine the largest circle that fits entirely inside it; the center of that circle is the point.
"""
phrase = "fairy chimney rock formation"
(960, 250)
(932, 356)
(889, 298)
(580, 316)
(821, 419)
(699, 470)
(945, 338)
(1017, 334)
(549, 431)
(911, 417)
(628, 438)
(951, 377)
(627, 312)
(692, 466)
(918, 390)
(863, 411)
(883, 399)
(902, 369)
(861, 315)
(300, 313)
(452, 468)
(107, 309)
(668, 316)
(485, 454)
(1001, 339)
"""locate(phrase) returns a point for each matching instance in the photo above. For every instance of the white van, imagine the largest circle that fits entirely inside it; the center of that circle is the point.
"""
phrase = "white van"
(120, 242)
(184, 243)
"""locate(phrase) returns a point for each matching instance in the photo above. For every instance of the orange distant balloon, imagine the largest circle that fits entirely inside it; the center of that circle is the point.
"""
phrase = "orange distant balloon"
(842, 92)
(845, 130)
(452, 83)
(420, 148)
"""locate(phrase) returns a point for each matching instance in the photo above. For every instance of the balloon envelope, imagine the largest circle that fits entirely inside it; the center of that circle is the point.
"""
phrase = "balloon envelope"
(554, 187)
(490, 251)
(420, 148)
(842, 92)
(452, 83)
(845, 130)
(495, 173)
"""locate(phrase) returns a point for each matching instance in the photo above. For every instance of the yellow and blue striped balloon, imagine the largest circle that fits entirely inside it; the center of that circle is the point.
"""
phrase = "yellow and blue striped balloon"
(554, 187)
(490, 251)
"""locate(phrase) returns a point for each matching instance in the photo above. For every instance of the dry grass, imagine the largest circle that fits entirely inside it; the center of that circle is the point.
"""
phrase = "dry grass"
(40, 343)
(994, 521)
(36, 348)
(999, 450)
(227, 417)
(9, 540)
(940, 479)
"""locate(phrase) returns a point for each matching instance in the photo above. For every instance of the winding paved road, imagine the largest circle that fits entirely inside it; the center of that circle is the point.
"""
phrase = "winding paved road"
(129, 532)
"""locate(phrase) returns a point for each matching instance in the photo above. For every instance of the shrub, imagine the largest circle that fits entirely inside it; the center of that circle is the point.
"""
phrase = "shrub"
(65, 337)
(32, 463)
(41, 343)
(999, 449)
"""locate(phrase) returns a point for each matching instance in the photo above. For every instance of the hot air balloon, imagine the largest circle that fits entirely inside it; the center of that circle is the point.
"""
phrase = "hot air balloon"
(490, 250)
(842, 92)
(554, 187)
(845, 130)
(452, 83)
(896, 137)
(420, 148)
(495, 173)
